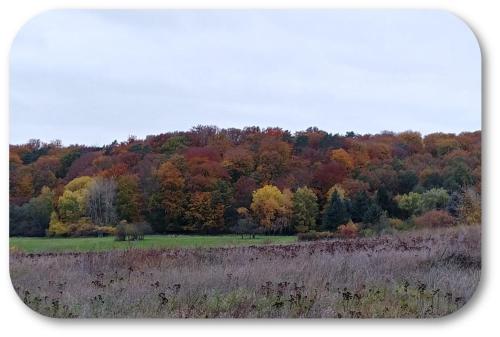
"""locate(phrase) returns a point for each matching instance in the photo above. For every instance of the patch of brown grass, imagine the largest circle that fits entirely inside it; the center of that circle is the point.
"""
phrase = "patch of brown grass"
(421, 274)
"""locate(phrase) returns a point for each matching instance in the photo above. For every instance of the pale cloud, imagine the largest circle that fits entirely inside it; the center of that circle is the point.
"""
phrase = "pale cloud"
(95, 76)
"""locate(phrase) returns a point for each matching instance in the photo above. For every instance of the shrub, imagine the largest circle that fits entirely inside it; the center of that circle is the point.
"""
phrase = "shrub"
(434, 219)
(349, 230)
(308, 236)
(301, 229)
(314, 236)
(105, 230)
(396, 223)
(131, 231)
(81, 228)
(367, 232)
(400, 225)
(120, 232)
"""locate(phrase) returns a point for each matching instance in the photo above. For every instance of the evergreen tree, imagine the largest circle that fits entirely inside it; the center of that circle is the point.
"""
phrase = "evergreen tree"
(385, 201)
(372, 214)
(336, 213)
(360, 204)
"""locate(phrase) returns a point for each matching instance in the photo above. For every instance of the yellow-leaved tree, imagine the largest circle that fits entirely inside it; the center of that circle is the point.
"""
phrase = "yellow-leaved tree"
(272, 208)
(56, 226)
(73, 203)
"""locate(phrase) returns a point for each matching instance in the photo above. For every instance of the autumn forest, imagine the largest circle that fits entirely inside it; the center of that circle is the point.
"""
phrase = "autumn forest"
(270, 181)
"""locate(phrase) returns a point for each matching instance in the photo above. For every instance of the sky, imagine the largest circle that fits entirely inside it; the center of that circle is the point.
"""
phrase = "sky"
(93, 76)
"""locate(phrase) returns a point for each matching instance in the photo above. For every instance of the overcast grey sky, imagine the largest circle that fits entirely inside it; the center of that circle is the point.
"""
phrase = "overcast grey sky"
(90, 77)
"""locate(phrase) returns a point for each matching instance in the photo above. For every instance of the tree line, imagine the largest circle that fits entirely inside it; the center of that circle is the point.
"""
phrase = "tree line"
(251, 180)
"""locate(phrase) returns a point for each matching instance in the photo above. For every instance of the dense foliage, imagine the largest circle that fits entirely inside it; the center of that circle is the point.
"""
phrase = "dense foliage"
(210, 180)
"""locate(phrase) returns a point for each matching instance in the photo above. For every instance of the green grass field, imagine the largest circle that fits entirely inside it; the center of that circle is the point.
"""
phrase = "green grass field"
(36, 245)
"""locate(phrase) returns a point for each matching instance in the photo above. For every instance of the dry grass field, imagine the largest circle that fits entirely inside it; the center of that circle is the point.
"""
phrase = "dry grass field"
(416, 274)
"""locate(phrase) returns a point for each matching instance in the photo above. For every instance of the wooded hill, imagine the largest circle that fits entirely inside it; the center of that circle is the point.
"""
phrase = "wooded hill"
(211, 180)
